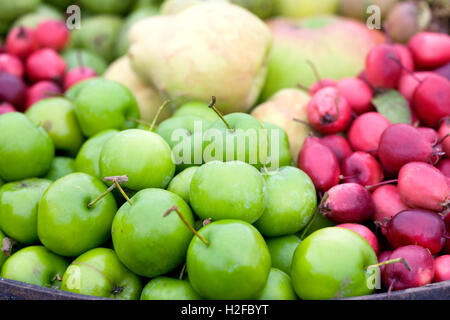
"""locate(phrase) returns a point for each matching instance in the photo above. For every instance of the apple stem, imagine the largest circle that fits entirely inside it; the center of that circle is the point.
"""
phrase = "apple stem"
(7, 245)
(165, 103)
(402, 260)
(405, 69)
(316, 212)
(315, 71)
(305, 124)
(116, 184)
(140, 121)
(212, 106)
(177, 210)
(265, 171)
(381, 184)
(182, 272)
(300, 86)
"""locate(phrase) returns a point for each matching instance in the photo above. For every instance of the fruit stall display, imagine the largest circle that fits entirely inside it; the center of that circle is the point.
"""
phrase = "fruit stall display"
(344, 193)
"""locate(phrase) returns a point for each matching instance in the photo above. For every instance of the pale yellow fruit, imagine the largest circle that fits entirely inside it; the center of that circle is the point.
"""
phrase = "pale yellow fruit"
(281, 109)
(211, 49)
(147, 97)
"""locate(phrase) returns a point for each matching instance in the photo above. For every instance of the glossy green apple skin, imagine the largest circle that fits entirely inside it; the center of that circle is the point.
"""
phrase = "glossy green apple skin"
(227, 190)
(18, 208)
(66, 225)
(282, 250)
(57, 117)
(235, 265)
(60, 167)
(197, 109)
(105, 105)
(278, 287)
(35, 265)
(146, 242)
(181, 183)
(282, 152)
(26, 150)
(319, 222)
(290, 202)
(332, 263)
(249, 154)
(142, 155)
(175, 130)
(165, 288)
(88, 157)
(75, 90)
(99, 272)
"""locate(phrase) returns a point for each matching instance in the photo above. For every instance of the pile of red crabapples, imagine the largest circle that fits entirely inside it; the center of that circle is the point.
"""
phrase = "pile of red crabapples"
(389, 182)
(31, 67)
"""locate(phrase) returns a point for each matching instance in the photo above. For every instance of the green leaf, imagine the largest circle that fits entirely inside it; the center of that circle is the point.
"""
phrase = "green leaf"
(393, 106)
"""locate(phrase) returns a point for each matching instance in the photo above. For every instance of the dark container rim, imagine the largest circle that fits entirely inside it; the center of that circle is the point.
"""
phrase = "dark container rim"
(16, 290)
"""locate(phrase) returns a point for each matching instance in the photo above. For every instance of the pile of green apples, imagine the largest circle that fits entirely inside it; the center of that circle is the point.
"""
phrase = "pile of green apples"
(94, 203)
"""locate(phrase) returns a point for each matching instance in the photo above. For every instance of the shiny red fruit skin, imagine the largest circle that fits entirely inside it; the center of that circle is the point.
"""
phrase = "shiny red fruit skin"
(329, 112)
(444, 167)
(444, 130)
(21, 42)
(357, 93)
(387, 202)
(319, 163)
(400, 278)
(442, 268)
(11, 64)
(45, 64)
(364, 232)
(362, 168)
(382, 70)
(52, 34)
(366, 130)
(322, 83)
(431, 100)
(406, 57)
(409, 82)
(417, 226)
(402, 143)
(338, 144)
(41, 90)
(348, 203)
(430, 49)
(423, 186)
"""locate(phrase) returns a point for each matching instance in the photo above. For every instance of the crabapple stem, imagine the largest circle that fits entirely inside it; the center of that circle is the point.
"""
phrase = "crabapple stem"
(177, 210)
(300, 86)
(116, 184)
(165, 103)
(316, 73)
(404, 68)
(381, 184)
(402, 260)
(305, 124)
(316, 212)
(212, 106)
(442, 139)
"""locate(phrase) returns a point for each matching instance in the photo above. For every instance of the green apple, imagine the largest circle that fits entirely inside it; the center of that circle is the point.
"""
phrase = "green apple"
(165, 288)
(98, 34)
(278, 287)
(196, 109)
(146, 242)
(233, 264)
(43, 12)
(66, 224)
(333, 263)
(57, 117)
(18, 208)
(319, 221)
(184, 135)
(290, 202)
(227, 190)
(105, 104)
(239, 137)
(107, 6)
(76, 57)
(344, 45)
(185, 63)
(279, 154)
(61, 166)
(98, 272)
(305, 8)
(282, 250)
(10, 10)
(141, 155)
(88, 157)
(26, 149)
(35, 265)
(181, 183)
